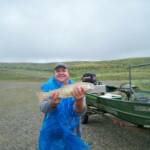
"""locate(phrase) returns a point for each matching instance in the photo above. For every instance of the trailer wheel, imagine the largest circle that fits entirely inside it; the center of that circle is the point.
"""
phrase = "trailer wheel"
(84, 119)
(140, 126)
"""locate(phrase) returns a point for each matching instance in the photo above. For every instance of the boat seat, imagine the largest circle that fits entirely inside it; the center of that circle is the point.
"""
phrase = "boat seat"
(111, 96)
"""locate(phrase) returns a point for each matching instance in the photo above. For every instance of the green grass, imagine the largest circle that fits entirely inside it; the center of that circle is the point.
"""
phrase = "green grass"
(105, 70)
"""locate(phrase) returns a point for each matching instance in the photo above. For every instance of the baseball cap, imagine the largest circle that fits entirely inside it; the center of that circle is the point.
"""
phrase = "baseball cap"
(60, 65)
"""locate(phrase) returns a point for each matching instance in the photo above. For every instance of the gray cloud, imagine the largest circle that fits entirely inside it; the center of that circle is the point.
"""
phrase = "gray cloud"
(49, 30)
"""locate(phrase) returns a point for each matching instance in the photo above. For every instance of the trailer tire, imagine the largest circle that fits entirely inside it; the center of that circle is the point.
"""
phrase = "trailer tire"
(140, 126)
(84, 119)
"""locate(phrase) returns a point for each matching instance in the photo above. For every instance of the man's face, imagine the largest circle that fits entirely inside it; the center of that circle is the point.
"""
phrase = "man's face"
(62, 74)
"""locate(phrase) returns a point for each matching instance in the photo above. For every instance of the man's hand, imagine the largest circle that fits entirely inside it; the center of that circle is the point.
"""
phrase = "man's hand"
(79, 93)
(54, 99)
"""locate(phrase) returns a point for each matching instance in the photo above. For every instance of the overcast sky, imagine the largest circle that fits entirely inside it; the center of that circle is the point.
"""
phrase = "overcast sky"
(66, 30)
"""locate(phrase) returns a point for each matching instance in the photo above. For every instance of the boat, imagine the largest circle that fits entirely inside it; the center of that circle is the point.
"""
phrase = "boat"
(126, 102)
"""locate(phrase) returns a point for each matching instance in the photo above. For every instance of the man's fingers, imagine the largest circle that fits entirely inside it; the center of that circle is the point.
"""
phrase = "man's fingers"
(55, 97)
(78, 92)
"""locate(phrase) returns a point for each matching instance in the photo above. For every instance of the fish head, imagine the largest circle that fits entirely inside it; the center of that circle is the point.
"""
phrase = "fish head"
(87, 86)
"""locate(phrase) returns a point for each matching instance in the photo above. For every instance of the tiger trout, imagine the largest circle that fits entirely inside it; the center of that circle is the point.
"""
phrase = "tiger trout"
(66, 91)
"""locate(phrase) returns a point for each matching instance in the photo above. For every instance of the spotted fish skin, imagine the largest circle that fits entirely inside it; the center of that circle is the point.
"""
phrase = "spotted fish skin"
(66, 91)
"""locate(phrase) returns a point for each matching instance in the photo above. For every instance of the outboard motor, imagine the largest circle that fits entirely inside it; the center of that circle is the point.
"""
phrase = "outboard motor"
(89, 77)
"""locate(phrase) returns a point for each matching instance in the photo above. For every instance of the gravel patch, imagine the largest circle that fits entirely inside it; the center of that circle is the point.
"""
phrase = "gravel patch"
(102, 134)
(20, 121)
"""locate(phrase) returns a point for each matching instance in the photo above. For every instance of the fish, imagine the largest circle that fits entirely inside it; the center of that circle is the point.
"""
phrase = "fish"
(66, 91)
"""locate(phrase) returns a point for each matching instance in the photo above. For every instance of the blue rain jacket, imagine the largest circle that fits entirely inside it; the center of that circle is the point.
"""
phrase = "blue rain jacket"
(58, 128)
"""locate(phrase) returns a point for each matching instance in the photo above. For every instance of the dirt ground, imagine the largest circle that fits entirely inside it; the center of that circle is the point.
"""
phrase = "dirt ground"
(20, 121)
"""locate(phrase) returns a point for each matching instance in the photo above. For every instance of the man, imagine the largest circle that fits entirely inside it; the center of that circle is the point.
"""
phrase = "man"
(62, 116)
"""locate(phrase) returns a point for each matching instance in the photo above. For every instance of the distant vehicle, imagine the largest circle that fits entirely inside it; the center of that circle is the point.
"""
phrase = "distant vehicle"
(127, 102)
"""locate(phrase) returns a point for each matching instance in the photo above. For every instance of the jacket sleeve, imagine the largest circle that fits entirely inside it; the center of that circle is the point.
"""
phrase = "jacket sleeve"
(85, 108)
(45, 105)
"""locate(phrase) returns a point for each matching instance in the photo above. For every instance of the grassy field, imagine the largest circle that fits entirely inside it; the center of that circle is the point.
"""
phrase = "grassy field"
(105, 70)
